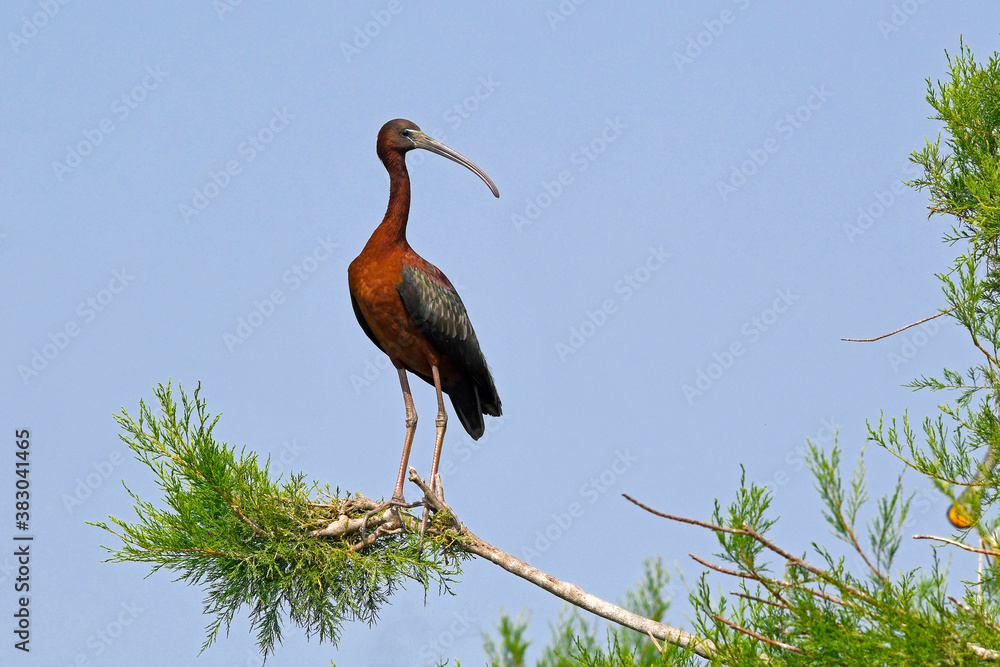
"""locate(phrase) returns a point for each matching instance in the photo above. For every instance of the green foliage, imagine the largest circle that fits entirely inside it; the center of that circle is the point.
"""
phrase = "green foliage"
(837, 610)
(246, 539)
(824, 612)
(512, 647)
(575, 642)
(959, 447)
(963, 181)
(848, 607)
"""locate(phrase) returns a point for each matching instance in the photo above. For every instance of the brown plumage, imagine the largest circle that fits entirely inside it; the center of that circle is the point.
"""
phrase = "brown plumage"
(410, 309)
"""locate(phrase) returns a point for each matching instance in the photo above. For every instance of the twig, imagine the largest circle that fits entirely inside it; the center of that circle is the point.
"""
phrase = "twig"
(723, 570)
(857, 547)
(795, 560)
(710, 526)
(957, 214)
(780, 605)
(436, 503)
(772, 642)
(784, 584)
(986, 621)
(661, 649)
(893, 333)
(248, 522)
(988, 552)
(975, 341)
(747, 530)
(391, 528)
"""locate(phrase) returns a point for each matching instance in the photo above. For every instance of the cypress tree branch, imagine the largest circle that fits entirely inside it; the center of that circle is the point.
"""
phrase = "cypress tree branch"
(900, 329)
(988, 552)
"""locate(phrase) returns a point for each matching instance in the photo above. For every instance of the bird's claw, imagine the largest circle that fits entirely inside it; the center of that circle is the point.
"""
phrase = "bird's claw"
(395, 503)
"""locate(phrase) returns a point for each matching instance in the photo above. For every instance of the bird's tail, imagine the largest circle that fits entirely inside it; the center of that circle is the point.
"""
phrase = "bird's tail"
(465, 399)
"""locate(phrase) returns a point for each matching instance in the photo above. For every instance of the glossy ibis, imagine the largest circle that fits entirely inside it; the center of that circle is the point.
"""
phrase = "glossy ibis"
(412, 312)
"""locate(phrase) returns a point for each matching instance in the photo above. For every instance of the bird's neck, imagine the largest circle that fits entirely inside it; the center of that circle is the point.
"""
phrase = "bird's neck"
(392, 231)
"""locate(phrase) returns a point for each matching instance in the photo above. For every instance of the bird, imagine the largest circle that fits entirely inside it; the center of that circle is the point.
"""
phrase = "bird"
(413, 313)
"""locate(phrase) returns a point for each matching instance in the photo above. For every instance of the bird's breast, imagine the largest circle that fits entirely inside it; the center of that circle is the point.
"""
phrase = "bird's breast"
(374, 285)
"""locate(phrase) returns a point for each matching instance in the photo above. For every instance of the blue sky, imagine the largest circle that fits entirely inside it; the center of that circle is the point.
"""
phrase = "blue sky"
(697, 202)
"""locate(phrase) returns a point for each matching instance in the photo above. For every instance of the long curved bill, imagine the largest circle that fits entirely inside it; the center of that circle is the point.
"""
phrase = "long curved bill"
(421, 140)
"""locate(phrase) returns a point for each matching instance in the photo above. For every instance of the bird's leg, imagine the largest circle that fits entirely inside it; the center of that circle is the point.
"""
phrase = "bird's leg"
(442, 424)
(411, 428)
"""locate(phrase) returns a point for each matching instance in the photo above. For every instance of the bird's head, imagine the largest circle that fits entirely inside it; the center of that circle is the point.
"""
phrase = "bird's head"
(400, 135)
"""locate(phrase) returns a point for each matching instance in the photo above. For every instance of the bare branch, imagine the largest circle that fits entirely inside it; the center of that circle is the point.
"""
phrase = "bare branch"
(772, 642)
(580, 598)
(723, 570)
(893, 333)
(795, 560)
(983, 653)
(747, 530)
(778, 582)
(780, 605)
(695, 522)
(572, 593)
(988, 552)
(344, 525)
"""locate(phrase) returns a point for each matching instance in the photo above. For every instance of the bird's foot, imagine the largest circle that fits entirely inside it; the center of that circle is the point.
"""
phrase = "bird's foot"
(395, 503)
